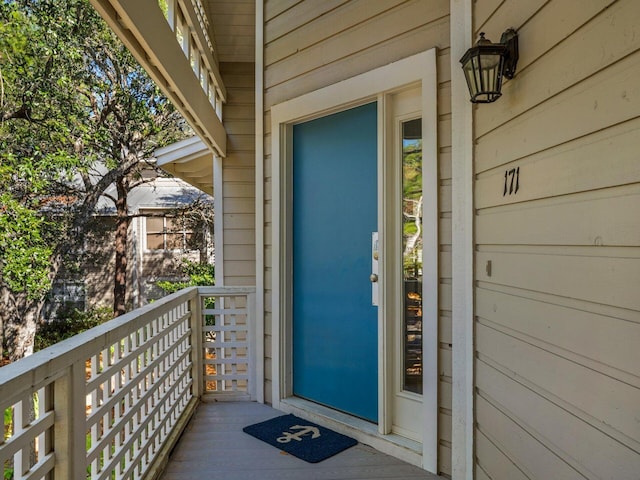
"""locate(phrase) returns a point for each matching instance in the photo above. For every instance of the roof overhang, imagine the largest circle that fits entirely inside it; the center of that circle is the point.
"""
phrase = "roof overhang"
(144, 30)
(191, 160)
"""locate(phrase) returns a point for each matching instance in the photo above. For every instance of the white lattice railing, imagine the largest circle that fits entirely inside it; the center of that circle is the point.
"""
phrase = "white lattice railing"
(106, 403)
(227, 343)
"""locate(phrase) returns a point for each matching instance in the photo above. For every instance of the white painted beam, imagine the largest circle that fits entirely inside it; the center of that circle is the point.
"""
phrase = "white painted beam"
(462, 246)
(191, 160)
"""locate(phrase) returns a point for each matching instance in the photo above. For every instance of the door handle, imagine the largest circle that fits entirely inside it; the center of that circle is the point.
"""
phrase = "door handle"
(375, 288)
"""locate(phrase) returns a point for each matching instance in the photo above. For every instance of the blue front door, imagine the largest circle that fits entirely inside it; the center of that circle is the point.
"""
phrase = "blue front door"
(335, 332)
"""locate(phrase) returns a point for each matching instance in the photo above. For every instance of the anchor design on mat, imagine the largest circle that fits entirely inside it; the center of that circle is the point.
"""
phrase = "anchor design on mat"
(302, 431)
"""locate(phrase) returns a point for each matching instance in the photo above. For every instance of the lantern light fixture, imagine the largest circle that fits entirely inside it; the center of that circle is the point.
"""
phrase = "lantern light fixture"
(486, 64)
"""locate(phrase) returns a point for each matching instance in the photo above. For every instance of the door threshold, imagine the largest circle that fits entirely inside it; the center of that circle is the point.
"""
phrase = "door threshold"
(363, 431)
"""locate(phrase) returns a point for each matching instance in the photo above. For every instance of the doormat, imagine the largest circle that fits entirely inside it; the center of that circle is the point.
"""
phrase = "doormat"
(300, 438)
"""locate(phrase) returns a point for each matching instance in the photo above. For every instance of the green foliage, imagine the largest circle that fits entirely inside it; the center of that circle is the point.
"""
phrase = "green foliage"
(411, 209)
(412, 169)
(38, 111)
(8, 422)
(73, 100)
(8, 431)
(40, 45)
(198, 274)
(70, 323)
(164, 7)
(24, 255)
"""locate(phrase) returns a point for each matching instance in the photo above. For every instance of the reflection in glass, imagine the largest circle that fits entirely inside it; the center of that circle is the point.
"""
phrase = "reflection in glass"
(412, 254)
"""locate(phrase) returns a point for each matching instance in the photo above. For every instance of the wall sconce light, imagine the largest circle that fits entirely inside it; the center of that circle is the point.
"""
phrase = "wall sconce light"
(485, 64)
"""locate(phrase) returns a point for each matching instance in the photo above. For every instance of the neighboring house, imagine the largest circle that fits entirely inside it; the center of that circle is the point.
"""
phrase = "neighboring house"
(158, 243)
(529, 296)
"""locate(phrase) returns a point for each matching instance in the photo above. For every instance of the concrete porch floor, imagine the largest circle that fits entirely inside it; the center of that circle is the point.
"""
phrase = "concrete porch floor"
(214, 447)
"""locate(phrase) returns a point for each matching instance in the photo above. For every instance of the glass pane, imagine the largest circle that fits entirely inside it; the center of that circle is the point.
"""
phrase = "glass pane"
(412, 254)
(155, 241)
(155, 224)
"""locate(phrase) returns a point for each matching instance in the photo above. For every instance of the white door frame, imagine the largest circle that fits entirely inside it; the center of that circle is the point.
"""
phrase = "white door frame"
(369, 86)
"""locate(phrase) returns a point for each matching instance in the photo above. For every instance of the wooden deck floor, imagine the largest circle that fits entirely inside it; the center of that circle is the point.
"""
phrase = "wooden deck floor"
(215, 447)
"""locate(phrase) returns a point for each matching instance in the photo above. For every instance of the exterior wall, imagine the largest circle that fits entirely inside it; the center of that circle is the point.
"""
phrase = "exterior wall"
(144, 269)
(558, 262)
(239, 175)
(100, 266)
(309, 45)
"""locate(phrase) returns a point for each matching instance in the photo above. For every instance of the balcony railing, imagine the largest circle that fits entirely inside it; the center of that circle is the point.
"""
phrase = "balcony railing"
(109, 403)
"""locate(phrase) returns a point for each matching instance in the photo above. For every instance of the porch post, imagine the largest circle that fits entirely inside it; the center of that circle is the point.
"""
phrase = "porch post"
(197, 366)
(218, 219)
(70, 423)
(462, 246)
(254, 380)
(260, 201)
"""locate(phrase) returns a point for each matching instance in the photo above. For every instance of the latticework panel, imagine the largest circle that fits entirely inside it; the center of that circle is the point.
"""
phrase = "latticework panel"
(226, 345)
(137, 388)
(27, 452)
(104, 404)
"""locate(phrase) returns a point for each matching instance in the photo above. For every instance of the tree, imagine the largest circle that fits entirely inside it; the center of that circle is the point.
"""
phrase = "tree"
(77, 114)
(33, 162)
(130, 118)
(197, 217)
(412, 207)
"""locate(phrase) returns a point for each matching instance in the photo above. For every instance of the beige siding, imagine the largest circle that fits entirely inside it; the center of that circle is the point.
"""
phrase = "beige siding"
(100, 265)
(309, 45)
(239, 175)
(233, 23)
(144, 267)
(558, 263)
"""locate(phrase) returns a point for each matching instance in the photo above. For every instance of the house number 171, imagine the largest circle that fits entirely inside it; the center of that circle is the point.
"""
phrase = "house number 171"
(511, 181)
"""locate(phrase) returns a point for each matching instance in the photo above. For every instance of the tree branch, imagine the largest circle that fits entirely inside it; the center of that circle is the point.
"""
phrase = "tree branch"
(22, 113)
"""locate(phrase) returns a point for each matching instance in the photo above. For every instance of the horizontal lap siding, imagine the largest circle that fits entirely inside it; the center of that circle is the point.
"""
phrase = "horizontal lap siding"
(558, 263)
(309, 45)
(239, 175)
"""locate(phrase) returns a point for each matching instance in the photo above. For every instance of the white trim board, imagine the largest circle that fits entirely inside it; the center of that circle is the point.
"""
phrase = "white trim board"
(369, 86)
(218, 218)
(182, 151)
(362, 430)
(462, 429)
(259, 206)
